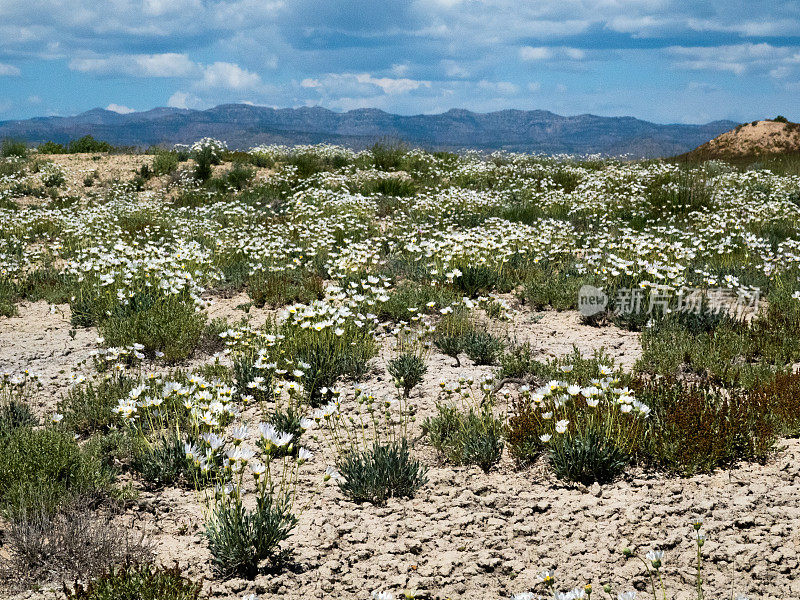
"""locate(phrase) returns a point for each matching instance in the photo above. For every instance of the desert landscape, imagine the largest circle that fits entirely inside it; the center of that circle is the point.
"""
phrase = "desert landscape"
(315, 372)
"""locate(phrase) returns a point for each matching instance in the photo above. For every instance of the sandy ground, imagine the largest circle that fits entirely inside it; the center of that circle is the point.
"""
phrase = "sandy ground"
(763, 137)
(468, 534)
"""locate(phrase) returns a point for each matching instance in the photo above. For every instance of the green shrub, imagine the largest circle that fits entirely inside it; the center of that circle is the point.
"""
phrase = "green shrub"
(160, 323)
(451, 333)
(408, 369)
(165, 163)
(519, 362)
(88, 144)
(552, 284)
(53, 177)
(237, 178)
(479, 280)
(696, 428)
(163, 461)
(46, 468)
(15, 415)
(329, 356)
(587, 456)
(278, 288)
(390, 186)
(474, 437)
(381, 472)
(483, 347)
(88, 408)
(239, 539)
(417, 296)
(389, 156)
(51, 148)
(670, 348)
(8, 298)
(15, 148)
(138, 582)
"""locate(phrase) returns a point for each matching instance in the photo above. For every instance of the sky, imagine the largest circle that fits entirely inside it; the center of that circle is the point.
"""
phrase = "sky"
(668, 61)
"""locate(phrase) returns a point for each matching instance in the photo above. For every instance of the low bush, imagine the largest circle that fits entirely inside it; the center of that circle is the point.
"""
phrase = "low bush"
(553, 284)
(328, 355)
(423, 299)
(696, 428)
(408, 369)
(278, 288)
(138, 582)
(14, 415)
(165, 163)
(587, 456)
(482, 347)
(473, 437)
(46, 468)
(380, 472)
(240, 539)
(13, 148)
(87, 408)
(74, 542)
(589, 426)
(480, 280)
(162, 461)
(452, 332)
(164, 324)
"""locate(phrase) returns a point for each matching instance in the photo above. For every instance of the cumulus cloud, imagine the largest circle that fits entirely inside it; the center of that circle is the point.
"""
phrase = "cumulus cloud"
(738, 58)
(229, 76)
(363, 83)
(537, 53)
(9, 70)
(119, 108)
(137, 65)
(183, 100)
(218, 75)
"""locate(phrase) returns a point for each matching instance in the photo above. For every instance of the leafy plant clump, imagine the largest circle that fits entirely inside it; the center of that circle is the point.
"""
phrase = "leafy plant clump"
(138, 582)
(240, 538)
(46, 469)
(408, 369)
(474, 437)
(587, 457)
(160, 324)
(381, 472)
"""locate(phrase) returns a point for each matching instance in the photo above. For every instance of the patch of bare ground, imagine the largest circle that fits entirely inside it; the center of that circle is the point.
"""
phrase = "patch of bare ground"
(469, 534)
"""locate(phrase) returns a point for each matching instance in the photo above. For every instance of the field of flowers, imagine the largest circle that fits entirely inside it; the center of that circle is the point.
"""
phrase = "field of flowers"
(310, 372)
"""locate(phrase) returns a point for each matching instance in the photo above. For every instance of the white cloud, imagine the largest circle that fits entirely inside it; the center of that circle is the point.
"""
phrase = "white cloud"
(575, 53)
(454, 70)
(137, 65)
(183, 100)
(362, 84)
(119, 108)
(504, 88)
(229, 76)
(534, 86)
(738, 58)
(9, 70)
(538, 53)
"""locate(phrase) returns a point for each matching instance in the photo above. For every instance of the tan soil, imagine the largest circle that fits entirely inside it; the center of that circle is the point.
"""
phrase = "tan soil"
(469, 534)
(761, 138)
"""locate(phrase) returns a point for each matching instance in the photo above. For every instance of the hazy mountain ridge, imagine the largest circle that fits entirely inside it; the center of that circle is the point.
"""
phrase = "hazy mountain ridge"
(243, 126)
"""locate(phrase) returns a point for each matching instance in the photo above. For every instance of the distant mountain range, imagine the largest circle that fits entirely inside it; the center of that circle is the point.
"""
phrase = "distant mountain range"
(243, 126)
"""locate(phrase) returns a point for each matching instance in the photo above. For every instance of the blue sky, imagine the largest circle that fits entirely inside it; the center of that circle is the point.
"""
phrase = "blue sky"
(661, 60)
